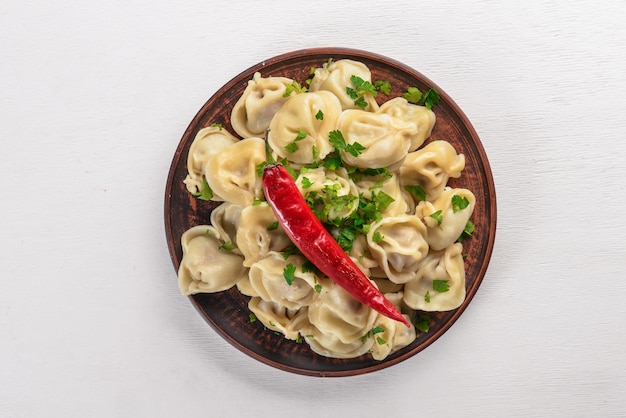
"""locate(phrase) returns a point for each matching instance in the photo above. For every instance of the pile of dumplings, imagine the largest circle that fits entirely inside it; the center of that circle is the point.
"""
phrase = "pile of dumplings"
(403, 253)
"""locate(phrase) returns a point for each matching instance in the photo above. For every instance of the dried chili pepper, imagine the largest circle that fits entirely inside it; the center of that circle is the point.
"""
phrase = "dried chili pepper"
(308, 234)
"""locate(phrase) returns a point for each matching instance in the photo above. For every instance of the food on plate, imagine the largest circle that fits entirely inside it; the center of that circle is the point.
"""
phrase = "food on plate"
(337, 218)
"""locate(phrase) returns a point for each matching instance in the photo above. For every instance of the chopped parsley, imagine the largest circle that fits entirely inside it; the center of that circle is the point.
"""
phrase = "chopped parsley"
(319, 115)
(416, 191)
(378, 237)
(252, 317)
(427, 296)
(216, 125)
(459, 203)
(339, 142)
(293, 146)
(371, 333)
(306, 183)
(294, 86)
(428, 99)
(441, 286)
(437, 216)
(361, 88)
(227, 246)
(289, 273)
(205, 192)
(467, 231)
(422, 322)
(272, 226)
(383, 86)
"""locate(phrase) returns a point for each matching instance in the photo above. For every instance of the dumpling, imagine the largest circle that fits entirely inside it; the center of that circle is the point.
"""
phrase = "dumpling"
(373, 186)
(440, 281)
(423, 118)
(332, 193)
(431, 167)
(258, 233)
(258, 104)
(207, 142)
(336, 77)
(231, 172)
(267, 278)
(299, 131)
(205, 268)
(398, 244)
(386, 139)
(389, 335)
(337, 323)
(278, 318)
(447, 216)
(360, 254)
(225, 219)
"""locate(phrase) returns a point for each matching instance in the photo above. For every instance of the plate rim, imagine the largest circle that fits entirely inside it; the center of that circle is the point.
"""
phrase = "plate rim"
(475, 140)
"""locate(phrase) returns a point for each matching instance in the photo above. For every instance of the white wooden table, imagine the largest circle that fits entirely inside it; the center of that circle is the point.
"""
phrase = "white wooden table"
(94, 99)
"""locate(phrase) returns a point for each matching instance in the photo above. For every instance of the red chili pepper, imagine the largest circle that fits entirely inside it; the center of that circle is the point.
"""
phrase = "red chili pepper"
(308, 234)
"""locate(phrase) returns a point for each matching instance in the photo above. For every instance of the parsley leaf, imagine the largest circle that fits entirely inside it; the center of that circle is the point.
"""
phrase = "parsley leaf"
(438, 216)
(306, 183)
(363, 86)
(294, 86)
(383, 86)
(252, 317)
(428, 99)
(416, 191)
(292, 147)
(272, 226)
(422, 323)
(339, 142)
(427, 296)
(431, 98)
(216, 125)
(412, 95)
(467, 231)
(227, 246)
(205, 193)
(441, 286)
(289, 273)
(459, 203)
(378, 237)
(301, 135)
(319, 115)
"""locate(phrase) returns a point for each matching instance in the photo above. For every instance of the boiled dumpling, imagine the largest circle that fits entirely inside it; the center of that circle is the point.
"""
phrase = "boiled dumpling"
(207, 142)
(205, 267)
(447, 216)
(336, 77)
(440, 281)
(299, 131)
(231, 173)
(431, 167)
(423, 118)
(386, 139)
(398, 244)
(258, 104)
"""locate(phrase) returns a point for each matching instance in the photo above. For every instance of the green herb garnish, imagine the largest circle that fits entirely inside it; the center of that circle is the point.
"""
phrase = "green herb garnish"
(339, 142)
(459, 203)
(441, 286)
(289, 273)
(205, 192)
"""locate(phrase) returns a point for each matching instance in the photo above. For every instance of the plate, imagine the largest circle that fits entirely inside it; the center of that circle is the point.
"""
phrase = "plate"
(227, 312)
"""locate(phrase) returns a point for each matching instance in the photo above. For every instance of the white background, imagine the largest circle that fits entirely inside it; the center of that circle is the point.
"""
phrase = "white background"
(94, 97)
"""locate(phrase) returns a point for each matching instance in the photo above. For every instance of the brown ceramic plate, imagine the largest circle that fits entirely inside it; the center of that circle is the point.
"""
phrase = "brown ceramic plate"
(227, 311)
